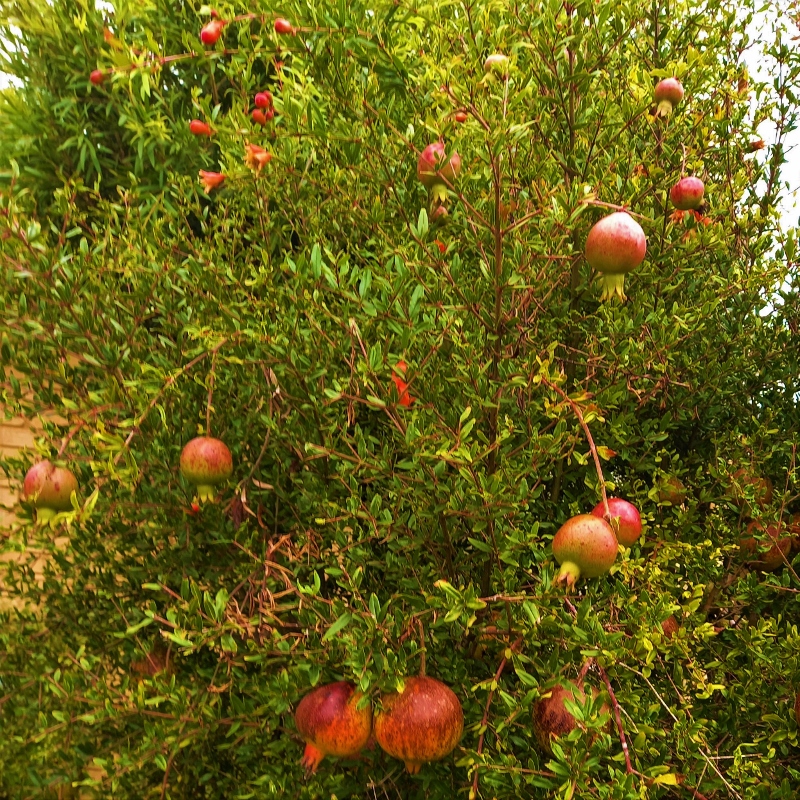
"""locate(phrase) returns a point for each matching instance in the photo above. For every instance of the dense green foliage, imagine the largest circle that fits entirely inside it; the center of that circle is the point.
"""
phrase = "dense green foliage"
(361, 537)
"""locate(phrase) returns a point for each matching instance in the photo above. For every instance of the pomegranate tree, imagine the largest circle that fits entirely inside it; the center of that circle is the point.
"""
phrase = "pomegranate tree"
(49, 488)
(687, 194)
(668, 94)
(584, 546)
(625, 519)
(421, 723)
(434, 168)
(333, 721)
(615, 246)
(206, 462)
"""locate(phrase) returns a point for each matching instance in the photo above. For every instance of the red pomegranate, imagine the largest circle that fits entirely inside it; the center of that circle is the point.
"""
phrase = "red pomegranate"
(672, 491)
(283, 26)
(625, 519)
(668, 94)
(258, 116)
(49, 488)
(200, 128)
(422, 723)
(687, 194)
(332, 724)
(263, 100)
(778, 546)
(584, 546)
(670, 627)
(211, 31)
(433, 166)
(744, 481)
(97, 76)
(206, 462)
(615, 245)
(551, 719)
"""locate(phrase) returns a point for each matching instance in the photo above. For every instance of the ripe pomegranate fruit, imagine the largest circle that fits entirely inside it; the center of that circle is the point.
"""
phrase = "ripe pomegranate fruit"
(551, 719)
(433, 166)
(200, 128)
(263, 100)
(584, 546)
(773, 558)
(258, 116)
(670, 627)
(672, 491)
(49, 489)
(461, 116)
(211, 31)
(687, 194)
(615, 245)
(496, 63)
(668, 94)
(332, 724)
(97, 76)
(626, 521)
(283, 26)
(761, 488)
(206, 462)
(420, 724)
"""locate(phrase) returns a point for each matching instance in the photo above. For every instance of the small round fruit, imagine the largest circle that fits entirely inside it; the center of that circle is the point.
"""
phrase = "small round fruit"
(615, 245)
(761, 488)
(211, 31)
(332, 724)
(263, 100)
(668, 94)
(496, 63)
(97, 76)
(774, 557)
(551, 719)
(671, 491)
(258, 116)
(687, 194)
(625, 519)
(200, 128)
(283, 26)
(461, 116)
(422, 723)
(206, 462)
(49, 488)
(433, 168)
(670, 627)
(584, 546)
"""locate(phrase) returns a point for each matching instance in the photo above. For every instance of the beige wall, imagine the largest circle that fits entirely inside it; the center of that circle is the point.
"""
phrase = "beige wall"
(14, 435)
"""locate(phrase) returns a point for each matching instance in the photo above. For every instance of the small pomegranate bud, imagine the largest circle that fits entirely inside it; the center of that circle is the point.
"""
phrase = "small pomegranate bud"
(615, 245)
(422, 723)
(269, 114)
(256, 157)
(442, 247)
(778, 546)
(668, 94)
(283, 26)
(398, 374)
(461, 116)
(211, 180)
(211, 31)
(439, 215)
(332, 724)
(496, 63)
(50, 489)
(263, 100)
(687, 194)
(206, 462)
(626, 521)
(96, 77)
(584, 546)
(200, 128)
(551, 719)
(258, 116)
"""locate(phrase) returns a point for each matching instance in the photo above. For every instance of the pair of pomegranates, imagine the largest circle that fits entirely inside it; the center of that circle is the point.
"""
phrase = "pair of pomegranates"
(421, 723)
(586, 545)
